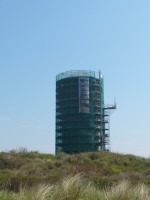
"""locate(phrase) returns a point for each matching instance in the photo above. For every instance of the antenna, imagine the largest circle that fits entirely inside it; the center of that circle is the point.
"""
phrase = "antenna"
(115, 104)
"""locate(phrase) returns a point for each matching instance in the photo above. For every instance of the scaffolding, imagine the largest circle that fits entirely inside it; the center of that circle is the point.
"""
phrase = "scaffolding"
(82, 119)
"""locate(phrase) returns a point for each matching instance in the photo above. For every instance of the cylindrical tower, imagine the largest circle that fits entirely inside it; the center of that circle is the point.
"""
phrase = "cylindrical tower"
(80, 115)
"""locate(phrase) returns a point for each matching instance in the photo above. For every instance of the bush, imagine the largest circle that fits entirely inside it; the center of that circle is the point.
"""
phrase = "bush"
(102, 168)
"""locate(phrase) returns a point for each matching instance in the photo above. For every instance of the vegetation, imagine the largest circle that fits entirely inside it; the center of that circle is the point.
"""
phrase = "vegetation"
(85, 176)
(76, 188)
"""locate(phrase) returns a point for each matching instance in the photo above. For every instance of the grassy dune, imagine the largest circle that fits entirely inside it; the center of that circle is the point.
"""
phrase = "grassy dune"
(85, 176)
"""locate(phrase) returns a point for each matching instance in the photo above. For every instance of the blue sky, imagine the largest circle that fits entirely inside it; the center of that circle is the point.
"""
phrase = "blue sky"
(39, 39)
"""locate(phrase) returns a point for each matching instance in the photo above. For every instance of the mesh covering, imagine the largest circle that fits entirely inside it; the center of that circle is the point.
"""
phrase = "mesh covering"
(79, 112)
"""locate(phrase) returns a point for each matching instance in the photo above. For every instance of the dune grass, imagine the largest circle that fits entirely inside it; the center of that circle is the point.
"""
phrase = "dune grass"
(86, 176)
(101, 168)
(77, 188)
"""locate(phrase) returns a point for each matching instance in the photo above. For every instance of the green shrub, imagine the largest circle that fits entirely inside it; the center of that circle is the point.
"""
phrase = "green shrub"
(103, 168)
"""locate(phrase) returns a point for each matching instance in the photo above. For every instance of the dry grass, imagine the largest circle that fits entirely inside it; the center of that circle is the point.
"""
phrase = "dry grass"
(77, 188)
(125, 191)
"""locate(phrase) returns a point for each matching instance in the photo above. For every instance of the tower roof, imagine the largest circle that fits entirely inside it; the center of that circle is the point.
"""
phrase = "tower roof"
(76, 73)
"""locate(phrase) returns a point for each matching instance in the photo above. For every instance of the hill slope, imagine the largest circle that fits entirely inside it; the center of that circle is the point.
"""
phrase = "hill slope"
(101, 168)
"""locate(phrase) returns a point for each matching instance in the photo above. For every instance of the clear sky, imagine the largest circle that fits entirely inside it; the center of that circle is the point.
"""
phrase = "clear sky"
(41, 38)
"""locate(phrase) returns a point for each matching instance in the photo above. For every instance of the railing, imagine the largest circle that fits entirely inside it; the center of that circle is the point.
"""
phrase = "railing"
(75, 73)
